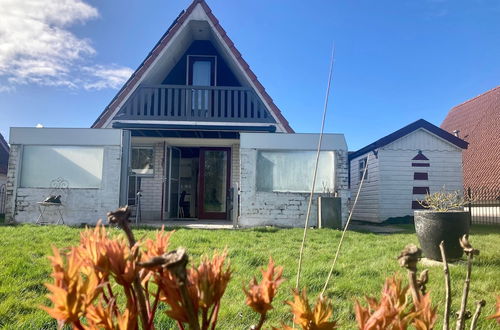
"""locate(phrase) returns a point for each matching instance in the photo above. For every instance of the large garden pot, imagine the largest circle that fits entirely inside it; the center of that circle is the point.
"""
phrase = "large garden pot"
(433, 227)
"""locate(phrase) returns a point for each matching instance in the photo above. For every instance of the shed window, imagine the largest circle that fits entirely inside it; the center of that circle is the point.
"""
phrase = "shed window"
(362, 165)
(80, 166)
(292, 171)
(142, 160)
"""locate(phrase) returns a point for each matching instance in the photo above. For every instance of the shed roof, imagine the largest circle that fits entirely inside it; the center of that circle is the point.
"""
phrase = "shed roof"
(478, 122)
(421, 123)
(164, 41)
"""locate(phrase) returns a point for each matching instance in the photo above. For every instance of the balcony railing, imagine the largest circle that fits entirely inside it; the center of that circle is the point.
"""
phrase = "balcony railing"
(195, 103)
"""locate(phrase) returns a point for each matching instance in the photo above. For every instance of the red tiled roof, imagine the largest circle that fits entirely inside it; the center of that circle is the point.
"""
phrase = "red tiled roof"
(133, 80)
(4, 155)
(478, 121)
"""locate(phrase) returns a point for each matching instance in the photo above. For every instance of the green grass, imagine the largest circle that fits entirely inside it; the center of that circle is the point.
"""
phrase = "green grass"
(366, 260)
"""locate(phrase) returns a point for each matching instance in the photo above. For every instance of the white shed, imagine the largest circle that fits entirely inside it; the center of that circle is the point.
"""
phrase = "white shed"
(403, 167)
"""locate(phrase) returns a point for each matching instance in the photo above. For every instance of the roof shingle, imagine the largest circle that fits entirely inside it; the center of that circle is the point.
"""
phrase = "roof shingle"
(478, 122)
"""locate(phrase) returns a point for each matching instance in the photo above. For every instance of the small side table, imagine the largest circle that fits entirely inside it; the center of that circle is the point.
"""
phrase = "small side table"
(42, 206)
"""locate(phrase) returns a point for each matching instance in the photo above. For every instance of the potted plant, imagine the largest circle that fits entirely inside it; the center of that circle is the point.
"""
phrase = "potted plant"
(329, 209)
(444, 220)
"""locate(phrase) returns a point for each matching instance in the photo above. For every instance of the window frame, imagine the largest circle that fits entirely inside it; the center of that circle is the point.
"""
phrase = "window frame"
(132, 172)
(361, 169)
(290, 191)
(213, 69)
(21, 170)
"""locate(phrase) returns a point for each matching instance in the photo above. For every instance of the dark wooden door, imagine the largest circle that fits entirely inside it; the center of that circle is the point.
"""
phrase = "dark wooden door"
(215, 167)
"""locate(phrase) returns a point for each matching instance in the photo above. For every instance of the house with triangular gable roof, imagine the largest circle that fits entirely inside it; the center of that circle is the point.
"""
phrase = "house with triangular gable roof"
(200, 139)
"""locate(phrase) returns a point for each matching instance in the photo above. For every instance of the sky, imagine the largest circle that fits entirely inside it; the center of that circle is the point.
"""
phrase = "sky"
(62, 61)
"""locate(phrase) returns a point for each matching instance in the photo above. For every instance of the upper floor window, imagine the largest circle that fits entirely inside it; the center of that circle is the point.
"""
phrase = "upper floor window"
(362, 165)
(201, 70)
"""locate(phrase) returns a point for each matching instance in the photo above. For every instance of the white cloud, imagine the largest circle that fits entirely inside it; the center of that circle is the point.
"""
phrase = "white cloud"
(36, 46)
(106, 76)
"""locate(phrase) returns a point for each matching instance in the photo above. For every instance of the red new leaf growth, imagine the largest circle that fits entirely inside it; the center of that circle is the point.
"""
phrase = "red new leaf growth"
(496, 316)
(311, 319)
(394, 310)
(259, 296)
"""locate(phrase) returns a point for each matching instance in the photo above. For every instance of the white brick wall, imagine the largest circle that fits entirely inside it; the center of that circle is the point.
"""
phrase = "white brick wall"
(80, 205)
(282, 209)
(151, 187)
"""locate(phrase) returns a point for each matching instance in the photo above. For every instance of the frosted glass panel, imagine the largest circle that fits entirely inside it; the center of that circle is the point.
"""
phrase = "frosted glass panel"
(292, 171)
(80, 166)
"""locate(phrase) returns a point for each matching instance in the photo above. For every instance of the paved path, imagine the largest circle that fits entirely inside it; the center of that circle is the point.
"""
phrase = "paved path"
(373, 228)
(194, 224)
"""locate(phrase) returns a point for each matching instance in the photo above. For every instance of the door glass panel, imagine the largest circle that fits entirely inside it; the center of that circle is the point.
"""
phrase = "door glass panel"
(215, 181)
(201, 73)
(175, 158)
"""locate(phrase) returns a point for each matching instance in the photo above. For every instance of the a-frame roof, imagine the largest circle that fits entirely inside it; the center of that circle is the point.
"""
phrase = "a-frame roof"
(421, 123)
(165, 40)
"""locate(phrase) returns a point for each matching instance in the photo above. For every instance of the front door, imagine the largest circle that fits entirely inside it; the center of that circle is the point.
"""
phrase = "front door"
(214, 183)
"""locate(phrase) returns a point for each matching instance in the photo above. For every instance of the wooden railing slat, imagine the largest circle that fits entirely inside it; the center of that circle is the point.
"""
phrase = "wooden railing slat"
(206, 103)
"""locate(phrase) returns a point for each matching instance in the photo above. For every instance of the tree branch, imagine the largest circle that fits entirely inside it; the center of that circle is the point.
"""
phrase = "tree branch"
(480, 304)
(447, 282)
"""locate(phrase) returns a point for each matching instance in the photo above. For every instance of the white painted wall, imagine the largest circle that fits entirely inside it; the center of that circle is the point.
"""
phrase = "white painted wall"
(80, 205)
(368, 204)
(395, 175)
(285, 209)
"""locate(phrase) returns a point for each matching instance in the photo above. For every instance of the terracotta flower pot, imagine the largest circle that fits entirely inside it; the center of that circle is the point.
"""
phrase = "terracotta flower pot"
(433, 227)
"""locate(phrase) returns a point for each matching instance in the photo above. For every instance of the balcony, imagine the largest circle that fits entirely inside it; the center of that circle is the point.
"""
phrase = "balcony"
(195, 103)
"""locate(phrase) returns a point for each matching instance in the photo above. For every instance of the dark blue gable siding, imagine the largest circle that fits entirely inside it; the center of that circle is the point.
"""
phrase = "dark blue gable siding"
(177, 76)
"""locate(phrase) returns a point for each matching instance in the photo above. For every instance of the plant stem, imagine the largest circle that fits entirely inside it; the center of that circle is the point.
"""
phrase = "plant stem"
(412, 279)
(261, 321)
(141, 299)
(216, 314)
(480, 304)
(192, 318)
(447, 282)
(465, 294)
(153, 309)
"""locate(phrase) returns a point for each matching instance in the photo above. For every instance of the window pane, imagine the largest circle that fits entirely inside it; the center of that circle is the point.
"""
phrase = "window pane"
(80, 166)
(215, 181)
(293, 171)
(142, 160)
(202, 71)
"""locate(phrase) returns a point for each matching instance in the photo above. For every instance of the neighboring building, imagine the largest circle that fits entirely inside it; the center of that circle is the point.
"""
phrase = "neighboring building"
(199, 137)
(403, 167)
(4, 159)
(477, 121)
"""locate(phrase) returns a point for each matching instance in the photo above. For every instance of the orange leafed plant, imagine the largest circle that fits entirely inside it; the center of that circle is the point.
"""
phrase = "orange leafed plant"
(90, 278)
(315, 319)
(496, 316)
(394, 310)
(72, 291)
(259, 296)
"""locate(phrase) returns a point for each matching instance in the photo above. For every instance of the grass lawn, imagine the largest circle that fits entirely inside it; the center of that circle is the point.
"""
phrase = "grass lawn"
(366, 260)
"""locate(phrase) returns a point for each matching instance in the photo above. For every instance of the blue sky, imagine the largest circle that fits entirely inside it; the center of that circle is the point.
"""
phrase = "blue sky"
(61, 62)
